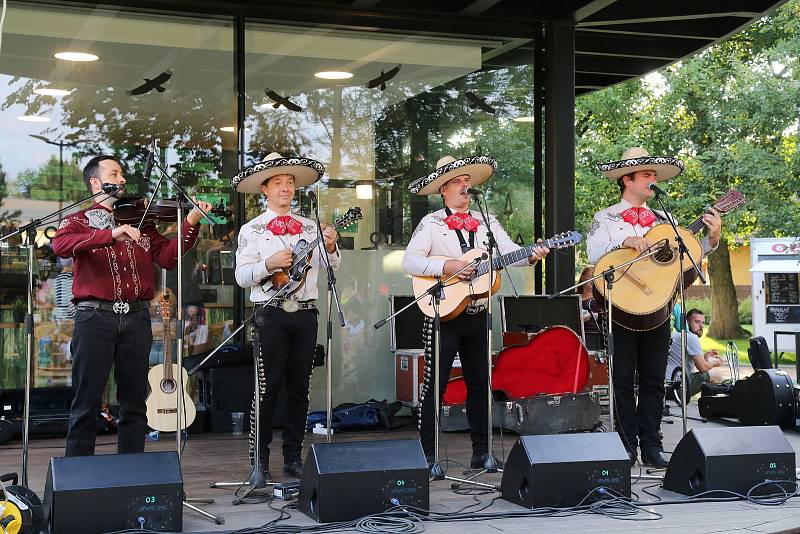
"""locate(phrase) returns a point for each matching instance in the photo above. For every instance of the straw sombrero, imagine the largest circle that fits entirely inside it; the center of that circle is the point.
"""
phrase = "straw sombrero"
(638, 159)
(305, 171)
(479, 168)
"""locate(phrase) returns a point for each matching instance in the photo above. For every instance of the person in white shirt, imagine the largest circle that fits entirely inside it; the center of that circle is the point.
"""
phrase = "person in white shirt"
(451, 232)
(639, 352)
(288, 325)
(700, 367)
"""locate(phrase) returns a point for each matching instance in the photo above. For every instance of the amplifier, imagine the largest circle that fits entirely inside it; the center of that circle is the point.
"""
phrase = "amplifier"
(115, 492)
(345, 481)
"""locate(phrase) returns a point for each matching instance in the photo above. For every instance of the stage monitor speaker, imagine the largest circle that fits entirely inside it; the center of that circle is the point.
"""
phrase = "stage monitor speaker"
(345, 481)
(405, 329)
(560, 470)
(533, 312)
(732, 458)
(115, 492)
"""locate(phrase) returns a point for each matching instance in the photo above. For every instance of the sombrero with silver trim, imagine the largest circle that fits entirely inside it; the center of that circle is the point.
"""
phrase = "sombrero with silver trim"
(479, 168)
(305, 171)
(638, 159)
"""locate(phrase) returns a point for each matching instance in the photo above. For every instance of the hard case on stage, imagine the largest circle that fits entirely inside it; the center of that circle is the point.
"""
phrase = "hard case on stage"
(553, 414)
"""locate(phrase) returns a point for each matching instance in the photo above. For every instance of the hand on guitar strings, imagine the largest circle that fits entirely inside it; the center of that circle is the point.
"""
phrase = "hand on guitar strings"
(713, 221)
(640, 244)
(280, 260)
(455, 265)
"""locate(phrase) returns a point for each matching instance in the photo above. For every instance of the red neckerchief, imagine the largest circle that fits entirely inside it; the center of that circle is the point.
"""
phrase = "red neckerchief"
(641, 216)
(462, 221)
(285, 224)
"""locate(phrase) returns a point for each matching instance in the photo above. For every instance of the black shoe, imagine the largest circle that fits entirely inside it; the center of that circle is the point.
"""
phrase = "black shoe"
(263, 466)
(654, 459)
(293, 469)
(478, 461)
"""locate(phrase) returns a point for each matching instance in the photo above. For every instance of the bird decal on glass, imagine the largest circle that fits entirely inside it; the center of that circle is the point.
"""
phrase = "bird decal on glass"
(156, 83)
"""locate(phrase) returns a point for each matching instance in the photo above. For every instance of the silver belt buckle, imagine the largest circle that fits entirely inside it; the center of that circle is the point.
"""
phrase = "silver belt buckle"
(121, 307)
(290, 305)
(471, 309)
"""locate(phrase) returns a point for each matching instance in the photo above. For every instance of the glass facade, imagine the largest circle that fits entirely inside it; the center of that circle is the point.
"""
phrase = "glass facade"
(373, 139)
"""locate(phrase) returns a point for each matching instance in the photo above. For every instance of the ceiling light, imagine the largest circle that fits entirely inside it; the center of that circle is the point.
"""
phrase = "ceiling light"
(364, 191)
(75, 56)
(33, 118)
(524, 119)
(333, 75)
(50, 91)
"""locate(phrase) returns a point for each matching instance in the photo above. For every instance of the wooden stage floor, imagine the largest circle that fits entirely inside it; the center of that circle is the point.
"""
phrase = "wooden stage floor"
(216, 457)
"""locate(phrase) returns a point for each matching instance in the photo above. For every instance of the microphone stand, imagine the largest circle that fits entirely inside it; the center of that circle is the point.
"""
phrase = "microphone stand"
(181, 196)
(257, 478)
(30, 238)
(436, 292)
(332, 293)
(682, 252)
(490, 465)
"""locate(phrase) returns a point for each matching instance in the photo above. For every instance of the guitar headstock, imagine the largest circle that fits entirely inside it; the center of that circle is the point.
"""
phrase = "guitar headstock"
(564, 239)
(165, 305)
(729, 201)
(353, 214)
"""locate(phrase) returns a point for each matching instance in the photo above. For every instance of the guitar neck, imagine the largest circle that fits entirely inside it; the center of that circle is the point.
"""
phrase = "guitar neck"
(511, 257)
(167, 351)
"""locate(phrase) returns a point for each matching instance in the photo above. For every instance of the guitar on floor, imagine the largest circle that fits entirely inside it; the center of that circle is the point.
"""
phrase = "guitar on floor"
(162, 403)
(643, 292)
(457, 294)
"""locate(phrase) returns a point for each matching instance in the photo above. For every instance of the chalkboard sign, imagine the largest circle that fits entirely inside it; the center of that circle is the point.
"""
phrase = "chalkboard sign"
(783, 314)
(782, 288)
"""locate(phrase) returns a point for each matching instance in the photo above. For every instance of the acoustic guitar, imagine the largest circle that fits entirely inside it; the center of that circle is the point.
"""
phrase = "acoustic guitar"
(295, 275)
(643, 292)
(162, 403)
(457, 294)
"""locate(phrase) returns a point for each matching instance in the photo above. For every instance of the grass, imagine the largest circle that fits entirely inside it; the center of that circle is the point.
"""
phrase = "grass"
(710, 343)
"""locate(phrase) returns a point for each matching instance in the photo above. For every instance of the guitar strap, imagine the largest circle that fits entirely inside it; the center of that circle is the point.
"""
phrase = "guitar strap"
(464, 247)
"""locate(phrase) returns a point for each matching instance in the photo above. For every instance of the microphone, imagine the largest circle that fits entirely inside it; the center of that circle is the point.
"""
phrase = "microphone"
(311, 195)
(110, 189)
(658, 190)
(148, 167)
(473, 191)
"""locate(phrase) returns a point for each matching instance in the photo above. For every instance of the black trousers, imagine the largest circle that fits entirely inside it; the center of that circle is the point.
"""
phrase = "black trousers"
(644, 353)
(288, 341)
(466, 334)
(102, 339)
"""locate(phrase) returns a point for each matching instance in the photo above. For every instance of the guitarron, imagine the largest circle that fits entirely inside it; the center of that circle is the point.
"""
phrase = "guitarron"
(643, 292)
(457, 294)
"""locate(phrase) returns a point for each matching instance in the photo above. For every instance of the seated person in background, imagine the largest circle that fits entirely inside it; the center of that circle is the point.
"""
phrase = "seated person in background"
(700, 367)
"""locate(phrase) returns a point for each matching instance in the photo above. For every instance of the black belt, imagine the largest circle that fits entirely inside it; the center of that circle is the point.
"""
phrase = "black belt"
(117, 307)
(291, 305)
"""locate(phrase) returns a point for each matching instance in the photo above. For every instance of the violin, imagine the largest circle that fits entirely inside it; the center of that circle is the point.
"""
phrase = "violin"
(129, 210)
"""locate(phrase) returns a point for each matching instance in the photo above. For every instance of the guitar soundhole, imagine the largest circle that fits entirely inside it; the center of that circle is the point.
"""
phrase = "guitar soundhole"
(168, 386)
(664, 255)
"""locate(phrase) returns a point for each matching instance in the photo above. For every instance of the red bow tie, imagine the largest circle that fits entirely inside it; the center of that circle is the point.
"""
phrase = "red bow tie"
(641, 216)
(462, 221)
(284, 224)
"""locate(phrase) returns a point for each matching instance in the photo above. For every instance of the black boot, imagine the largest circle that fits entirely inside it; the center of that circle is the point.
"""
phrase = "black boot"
(478, 461)
(654, 458)
(293, 469)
